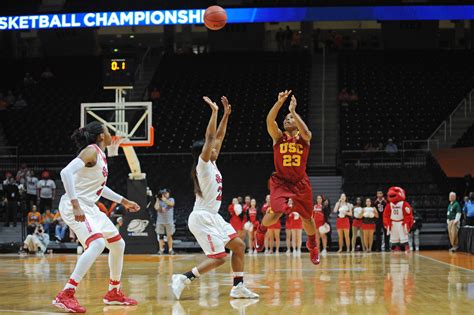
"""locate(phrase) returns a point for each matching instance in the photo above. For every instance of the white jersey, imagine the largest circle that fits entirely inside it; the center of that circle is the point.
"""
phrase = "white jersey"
(210, 182)
(397, 211)
(90, 181)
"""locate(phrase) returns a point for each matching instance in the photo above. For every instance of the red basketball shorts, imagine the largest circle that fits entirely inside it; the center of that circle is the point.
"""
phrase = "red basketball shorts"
(300, 192)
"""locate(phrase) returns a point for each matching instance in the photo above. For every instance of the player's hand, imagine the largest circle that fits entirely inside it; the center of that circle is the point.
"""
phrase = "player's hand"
(293, 104)
(211, 104)
(79, 214)
(282, 96)
(227, 106)
(131, 206)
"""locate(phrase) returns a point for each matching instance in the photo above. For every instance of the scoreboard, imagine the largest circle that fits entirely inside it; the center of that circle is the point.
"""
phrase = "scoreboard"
(118, 71)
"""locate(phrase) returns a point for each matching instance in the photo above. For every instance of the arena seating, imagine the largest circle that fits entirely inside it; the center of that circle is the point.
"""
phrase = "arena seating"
(403, 95)
(251, 83)
(467, 139)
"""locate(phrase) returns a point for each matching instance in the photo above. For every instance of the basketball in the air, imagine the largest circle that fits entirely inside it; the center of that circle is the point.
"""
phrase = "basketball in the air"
(215, 18)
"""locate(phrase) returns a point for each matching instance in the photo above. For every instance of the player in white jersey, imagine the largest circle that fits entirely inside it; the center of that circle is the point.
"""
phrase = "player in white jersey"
(84, 180)
(211, 231)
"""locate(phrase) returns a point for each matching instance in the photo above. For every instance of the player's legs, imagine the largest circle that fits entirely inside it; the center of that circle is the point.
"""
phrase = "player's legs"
(324, 240)
(370, 240)
(340, 239)
(365, 238)
(276, 235)
(298, 239)
(170, 229)
(288, 240)
(271, 240)
(347, 239)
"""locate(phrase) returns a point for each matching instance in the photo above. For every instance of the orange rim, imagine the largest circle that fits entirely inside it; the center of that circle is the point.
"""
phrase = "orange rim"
(149, 143)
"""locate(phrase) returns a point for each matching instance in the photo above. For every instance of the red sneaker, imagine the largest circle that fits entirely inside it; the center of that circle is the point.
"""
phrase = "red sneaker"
(65, 300)
(116, 297)
(259, 242)
(314, 255)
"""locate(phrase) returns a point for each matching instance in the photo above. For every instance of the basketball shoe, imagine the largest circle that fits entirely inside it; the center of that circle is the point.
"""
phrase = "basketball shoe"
(65, 300)
(116, 297)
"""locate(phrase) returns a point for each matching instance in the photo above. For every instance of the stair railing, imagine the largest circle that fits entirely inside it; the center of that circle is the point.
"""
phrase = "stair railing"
(446, 127)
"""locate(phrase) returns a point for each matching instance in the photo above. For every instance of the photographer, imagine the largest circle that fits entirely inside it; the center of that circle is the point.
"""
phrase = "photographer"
(164, 207)
(36, 242)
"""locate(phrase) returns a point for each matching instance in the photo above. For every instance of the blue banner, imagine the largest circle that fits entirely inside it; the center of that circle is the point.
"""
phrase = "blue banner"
(237, 15)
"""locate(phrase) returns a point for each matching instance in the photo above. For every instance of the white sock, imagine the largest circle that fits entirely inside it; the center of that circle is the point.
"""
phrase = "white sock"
(116, 251)
(195, 272)
(84, 262)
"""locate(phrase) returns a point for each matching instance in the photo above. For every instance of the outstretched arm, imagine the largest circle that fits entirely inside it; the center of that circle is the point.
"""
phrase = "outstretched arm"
(300, 124)
(272, 125)
(221, 130)
(210, 131)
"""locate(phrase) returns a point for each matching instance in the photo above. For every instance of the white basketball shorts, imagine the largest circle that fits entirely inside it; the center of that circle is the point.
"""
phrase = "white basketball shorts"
(212, 232)
(96, 225)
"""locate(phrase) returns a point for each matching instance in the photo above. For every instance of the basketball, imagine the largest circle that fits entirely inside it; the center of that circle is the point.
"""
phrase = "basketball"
(215, 17)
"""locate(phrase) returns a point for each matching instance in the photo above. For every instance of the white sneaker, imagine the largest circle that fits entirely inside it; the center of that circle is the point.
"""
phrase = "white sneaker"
(255, 253)
(295, 252)
(288, 252)
(178, 283)
(417, 248)
(240, 291)
(324, 253)
(277, 253)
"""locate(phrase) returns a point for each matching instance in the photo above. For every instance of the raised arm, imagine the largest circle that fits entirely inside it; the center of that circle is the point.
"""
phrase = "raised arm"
(221, 130)
(300, 124)
(211, 132)
(272, 125)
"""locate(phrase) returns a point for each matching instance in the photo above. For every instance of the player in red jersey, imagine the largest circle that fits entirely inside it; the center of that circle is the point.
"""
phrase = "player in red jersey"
(290, 151)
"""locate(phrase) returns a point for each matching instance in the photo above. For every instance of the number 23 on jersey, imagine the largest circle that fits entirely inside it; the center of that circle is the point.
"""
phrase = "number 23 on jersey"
(291, 159)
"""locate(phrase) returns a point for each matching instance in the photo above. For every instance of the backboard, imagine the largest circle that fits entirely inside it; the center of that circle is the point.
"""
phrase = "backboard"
(130, 120)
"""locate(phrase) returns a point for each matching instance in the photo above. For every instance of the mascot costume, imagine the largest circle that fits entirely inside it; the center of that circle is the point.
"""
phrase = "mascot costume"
(398, 218)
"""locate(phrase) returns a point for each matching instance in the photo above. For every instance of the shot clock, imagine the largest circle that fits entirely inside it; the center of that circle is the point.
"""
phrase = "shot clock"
(118, 71)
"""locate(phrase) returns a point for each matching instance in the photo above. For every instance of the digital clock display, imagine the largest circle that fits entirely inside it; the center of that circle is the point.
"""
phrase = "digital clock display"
(118, 71)
(118, 64)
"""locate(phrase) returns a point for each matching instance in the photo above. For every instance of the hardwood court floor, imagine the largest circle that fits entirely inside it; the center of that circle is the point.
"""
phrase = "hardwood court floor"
(378, 283)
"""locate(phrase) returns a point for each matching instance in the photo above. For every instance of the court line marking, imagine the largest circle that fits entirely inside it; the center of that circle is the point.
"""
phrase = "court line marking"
(444, 263)
(26, 311)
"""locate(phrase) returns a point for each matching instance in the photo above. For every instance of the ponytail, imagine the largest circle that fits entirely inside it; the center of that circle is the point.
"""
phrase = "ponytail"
(87, 134)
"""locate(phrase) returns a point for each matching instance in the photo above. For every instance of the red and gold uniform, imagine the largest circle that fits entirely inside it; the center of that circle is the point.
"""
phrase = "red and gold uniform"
(290, 179)
(267, 208)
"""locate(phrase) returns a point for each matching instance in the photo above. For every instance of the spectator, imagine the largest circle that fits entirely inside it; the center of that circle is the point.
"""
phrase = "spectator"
(60, 230)
(353, 96)
(343, 225)
(47, 74)
(252, 224)
(381, 237)
(22, 174)
(391, 147)
(37, 242)
(370, 215)
(237, 217)
(155, 94)
(12, 193)
(414, 235)
(469, 210)
(46, 191)
(164, 206)
(357, 224)
(320, 222)
(295, 224)
(48, 219)
(280, 39)
(34, 217)
(343, 97)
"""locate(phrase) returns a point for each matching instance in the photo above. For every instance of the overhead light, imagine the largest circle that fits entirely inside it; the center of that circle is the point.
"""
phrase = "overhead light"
(132, 36)
(115, 49)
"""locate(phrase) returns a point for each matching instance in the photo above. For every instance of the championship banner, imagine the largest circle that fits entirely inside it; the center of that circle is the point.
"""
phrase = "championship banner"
(238, 15)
